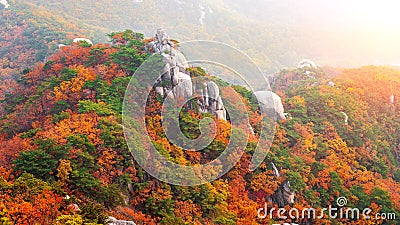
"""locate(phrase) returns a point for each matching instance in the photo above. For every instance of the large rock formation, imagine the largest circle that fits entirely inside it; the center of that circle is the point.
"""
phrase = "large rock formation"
(181, 85)
(211, 101)
(267, 99)
(77, 40)
(284, 195)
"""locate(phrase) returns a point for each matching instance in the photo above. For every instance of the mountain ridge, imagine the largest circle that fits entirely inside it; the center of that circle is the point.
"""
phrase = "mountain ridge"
(63, 126)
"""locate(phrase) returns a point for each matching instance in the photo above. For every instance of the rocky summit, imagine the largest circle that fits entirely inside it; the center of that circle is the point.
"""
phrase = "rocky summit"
(181, 86)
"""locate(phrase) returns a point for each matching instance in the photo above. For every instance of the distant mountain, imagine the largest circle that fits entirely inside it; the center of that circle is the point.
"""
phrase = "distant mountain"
(195, 20)
(62, 135)
(63, 154)
(277, 34)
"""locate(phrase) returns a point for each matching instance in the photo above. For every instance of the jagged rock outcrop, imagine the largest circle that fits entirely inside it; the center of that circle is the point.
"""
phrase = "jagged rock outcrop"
(175, 66)
(180, 83)
(181, 86)
(211, 101)
(284, 195)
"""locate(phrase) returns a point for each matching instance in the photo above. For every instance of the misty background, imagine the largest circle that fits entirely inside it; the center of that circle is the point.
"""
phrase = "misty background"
(276, 34)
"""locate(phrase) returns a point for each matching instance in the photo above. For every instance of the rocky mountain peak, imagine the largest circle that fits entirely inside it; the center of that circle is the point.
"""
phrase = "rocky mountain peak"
(181, 85)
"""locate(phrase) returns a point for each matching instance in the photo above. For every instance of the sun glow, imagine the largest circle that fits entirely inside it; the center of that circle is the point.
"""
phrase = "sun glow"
(381, 15)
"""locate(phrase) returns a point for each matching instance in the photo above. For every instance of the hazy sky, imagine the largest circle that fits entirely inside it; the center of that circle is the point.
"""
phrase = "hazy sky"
(373, 15)
(371, 26)
(332, 32)
(370, 29)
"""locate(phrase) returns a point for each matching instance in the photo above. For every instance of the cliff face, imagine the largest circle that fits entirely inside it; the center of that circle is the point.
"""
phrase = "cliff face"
(179, 83)
(207, 93)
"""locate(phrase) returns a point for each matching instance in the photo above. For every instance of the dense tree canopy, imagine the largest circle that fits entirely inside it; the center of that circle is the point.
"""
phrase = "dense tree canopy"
(62, 135)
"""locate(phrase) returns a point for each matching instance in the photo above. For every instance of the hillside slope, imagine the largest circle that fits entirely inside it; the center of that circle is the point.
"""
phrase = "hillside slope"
(197, 19)
(29, 35)
(277, 34)
(63, 135)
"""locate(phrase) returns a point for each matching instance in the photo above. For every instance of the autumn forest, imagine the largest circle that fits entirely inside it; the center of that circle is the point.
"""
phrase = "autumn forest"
(64, 158)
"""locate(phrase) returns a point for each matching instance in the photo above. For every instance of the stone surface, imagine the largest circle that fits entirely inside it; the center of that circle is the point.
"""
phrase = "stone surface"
(284, 195)
(269, 100)
(180, 60)
(161, 43)
(160, 90)
(210, 100)
(114, 221)
(207, 93)
(182, 87)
